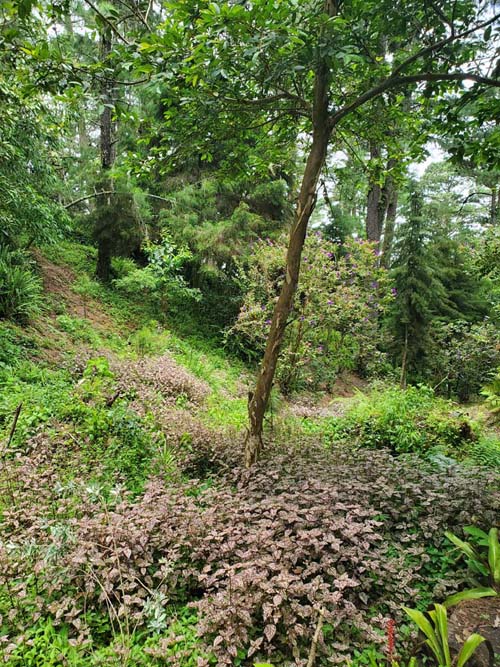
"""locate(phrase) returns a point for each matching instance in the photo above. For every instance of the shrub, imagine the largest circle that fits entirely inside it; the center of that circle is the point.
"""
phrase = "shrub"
(161, 280)
(462, 355)
(334, 324)
(257, 553)
(147, 341)
(20, 288)
(491, 392)
(412, 420)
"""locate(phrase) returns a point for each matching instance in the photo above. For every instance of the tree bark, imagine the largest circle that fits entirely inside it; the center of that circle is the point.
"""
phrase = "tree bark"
(375, 209)
(103, 233)
(404, 360)
(322, 129)
(391, 197)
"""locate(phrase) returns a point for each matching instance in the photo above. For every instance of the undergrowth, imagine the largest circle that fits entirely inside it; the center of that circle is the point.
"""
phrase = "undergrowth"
(410, 421)
(131, 535)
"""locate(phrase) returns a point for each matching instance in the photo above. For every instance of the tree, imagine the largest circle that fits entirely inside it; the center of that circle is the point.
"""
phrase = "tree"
(420, 291)
(307, 66)
(324, 120)
(314, 61)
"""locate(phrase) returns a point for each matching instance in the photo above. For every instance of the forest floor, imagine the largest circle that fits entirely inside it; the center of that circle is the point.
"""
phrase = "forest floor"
(131, 534)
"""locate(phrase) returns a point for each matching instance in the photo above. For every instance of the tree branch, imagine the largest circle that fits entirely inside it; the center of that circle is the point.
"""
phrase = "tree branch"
(441, 43)
(269, 100)
(397, 81)
(111, 192)
(109, 23)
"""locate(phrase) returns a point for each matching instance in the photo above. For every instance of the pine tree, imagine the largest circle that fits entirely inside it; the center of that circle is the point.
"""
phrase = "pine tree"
(420, 290)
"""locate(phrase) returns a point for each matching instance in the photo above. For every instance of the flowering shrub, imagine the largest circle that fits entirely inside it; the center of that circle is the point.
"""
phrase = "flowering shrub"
(334, 324)
(257, 553)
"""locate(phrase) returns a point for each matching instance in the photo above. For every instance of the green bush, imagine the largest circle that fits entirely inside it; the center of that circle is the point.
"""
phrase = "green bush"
(46, 646)
(491, 392)
(413, 420)
(148, 340)
(20, 288)
(486, 452)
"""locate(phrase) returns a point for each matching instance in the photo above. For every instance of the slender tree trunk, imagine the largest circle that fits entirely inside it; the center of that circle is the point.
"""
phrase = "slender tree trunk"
(375, 208)
(103, 232)
(391, 195)
(322, 130)
(83, 136)
(495, 205)
(404, 360)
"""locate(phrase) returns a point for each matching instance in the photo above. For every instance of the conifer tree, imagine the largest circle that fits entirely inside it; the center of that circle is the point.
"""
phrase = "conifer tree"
(420, 290)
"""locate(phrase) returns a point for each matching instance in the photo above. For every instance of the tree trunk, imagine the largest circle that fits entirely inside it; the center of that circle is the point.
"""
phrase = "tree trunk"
(495, 205)
(391, 196)
(83, 136)
(374, 206)
(103, 268)
(103, 232)
(404, 361)
(322, 130)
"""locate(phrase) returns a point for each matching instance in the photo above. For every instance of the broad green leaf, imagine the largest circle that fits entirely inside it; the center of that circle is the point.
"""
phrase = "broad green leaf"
(424, 625)
(476, 532)
(468, 649)
(441, 623)
(463, 546)
(494, 555)
(470, 594)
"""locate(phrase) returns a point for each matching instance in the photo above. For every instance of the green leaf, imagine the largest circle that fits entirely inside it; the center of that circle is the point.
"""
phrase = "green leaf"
(476, 532)
(468, 649)
(494, 554)
(463, 546)
(471, 594)
(424, 625)
(441, 623)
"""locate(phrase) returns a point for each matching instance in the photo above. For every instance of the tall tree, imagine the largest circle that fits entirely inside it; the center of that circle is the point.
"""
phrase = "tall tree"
(420, 291)
(314, 62)
(103, 229)
(324, 121)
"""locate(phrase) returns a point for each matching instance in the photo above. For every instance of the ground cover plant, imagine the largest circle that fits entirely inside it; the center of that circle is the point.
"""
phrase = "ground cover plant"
(366, 536)
(131, 532)
(249, 333)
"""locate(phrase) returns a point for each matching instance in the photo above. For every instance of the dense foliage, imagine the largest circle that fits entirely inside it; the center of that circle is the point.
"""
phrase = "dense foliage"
(197, 190)
(335, 324)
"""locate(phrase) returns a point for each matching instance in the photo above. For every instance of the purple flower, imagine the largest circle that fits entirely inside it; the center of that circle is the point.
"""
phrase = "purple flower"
(394, 291)
(374, 284)
(329, 302)
(267, 322)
